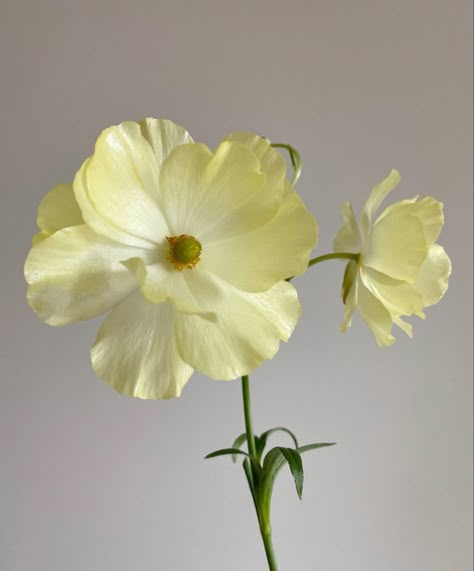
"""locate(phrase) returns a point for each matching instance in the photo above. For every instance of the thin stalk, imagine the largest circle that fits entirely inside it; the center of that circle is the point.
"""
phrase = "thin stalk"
(265, 528)
(334, 256)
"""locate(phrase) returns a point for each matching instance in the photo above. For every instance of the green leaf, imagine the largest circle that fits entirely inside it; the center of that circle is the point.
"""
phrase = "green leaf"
(224, 452)
(241, 439)
(308, 447)
(262, 441)
(276, 458)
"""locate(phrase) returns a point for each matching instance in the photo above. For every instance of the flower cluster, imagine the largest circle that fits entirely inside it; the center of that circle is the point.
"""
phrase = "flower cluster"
(188, 251)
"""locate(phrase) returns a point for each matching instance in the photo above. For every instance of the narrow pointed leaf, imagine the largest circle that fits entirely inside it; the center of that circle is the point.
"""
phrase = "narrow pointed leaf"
(224, 452)
(308, 447)
(241, 439)
(296, 466)
(264, 437)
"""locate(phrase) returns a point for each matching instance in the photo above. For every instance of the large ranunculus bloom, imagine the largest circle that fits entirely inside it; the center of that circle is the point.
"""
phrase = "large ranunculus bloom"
(186, 249)
(400, 268)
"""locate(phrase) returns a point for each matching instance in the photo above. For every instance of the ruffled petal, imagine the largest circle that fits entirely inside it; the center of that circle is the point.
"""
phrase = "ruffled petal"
(275, 251)
(272, 163)
(248, 331)
(400, 298)
(212, 195)
(163, 136)
(76, 274)
(397, 246)
(160, 281)
(433, 278)
(377, 196)
(57, 210)
(348, 237)
(135, 351)
(375, 315)
(122, 183)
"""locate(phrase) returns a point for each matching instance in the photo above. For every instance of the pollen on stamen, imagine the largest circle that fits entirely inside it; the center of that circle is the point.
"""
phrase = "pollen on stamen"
(184, 251)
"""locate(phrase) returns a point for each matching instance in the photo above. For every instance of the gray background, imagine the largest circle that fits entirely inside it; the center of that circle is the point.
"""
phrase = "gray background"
(93, 481)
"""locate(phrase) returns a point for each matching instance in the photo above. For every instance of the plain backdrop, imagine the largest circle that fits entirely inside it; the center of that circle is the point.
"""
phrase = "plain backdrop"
(92, 481)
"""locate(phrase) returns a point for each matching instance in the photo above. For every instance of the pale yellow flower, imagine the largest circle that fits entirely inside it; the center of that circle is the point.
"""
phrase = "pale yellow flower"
(186, 249)
(400, 270)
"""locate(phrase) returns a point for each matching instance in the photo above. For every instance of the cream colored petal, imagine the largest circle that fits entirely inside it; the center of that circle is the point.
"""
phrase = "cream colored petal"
(122, 183)
(248, 331)
(378, 194)
(348, 237)
(375, 315)
(404, 326)
(400, 298)
(135, 351)
(101, 224)
(433, 278)
(209, 195)
(160, 281)
(57, 210)
(163, 136)
(428, 210)
(272, 163)
(275, 251)
(397, 246)
(76, 274)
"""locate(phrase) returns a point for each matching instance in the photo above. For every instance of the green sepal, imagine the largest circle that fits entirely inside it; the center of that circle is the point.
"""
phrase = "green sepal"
(350, 274)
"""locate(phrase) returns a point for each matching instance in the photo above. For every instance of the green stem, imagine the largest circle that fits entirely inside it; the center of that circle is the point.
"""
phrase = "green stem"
(335, 256)
(248, 417)
(265, 528)
(294, 157)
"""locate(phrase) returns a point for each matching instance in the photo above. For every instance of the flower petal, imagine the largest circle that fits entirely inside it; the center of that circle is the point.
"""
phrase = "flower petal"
(122, 183)
(272, 163)
(275, 251)
(379, 192)
(76, 274)
(397, 246)
(57, 210)
(428, 210)
(348, 237)
(160, 281)
(399, 297)
(248, 331)
(433, 278)
(375, 315)
(213, 194)
(163, 136)
(135, 351)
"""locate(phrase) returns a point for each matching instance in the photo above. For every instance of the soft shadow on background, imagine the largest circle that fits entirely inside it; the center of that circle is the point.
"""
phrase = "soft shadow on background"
(93, 481)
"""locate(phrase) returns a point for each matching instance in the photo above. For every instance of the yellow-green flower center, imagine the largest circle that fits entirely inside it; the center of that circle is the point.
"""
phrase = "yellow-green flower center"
(184, 251)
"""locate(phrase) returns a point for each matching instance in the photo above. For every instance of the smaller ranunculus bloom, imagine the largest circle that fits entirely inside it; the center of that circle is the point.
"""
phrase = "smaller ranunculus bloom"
(400, 270)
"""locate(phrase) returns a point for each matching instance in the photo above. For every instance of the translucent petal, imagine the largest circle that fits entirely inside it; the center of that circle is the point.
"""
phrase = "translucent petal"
(399, 297)
(248, 331)
(101, 224)
(160, 281)
(211, 195)
(348, 237)
(76, 274)
(375, 315)
(428, 210)
(135, 351)
(163, 136)
(397, 246)
(376, 197)
(404, 326)
(57, 210)
(272, 163)
(275, 251)
(122, 182)
(433, 278)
